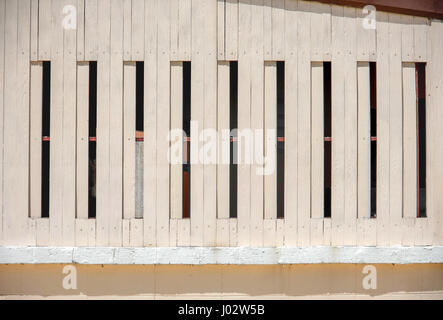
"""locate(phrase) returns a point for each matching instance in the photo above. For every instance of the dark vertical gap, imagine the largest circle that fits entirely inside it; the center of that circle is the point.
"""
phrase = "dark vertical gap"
(373, 135)
(421, 137)
(139, 98)
(46, 126)
(233, 125)
(280, 139)
(327, 125)
(139, 136)
(187, 143)
(92, 148)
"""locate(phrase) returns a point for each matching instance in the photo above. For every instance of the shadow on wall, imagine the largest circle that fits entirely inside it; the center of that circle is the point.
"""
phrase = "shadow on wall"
(220, 280)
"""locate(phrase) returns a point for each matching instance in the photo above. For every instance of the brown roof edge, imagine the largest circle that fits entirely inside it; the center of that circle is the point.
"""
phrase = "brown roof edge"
(423, 8)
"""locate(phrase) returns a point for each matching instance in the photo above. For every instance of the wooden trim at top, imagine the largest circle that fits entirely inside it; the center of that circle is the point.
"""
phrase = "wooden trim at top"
(424, 8)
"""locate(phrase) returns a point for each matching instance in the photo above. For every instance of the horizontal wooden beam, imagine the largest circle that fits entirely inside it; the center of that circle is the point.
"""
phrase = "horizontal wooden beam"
(425, 8)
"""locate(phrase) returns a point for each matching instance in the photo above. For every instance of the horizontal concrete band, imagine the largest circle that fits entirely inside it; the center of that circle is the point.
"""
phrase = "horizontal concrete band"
(219, 255)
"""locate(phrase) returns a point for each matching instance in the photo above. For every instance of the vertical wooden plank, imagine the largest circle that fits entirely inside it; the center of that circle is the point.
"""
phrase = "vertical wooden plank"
(116, 125)
(184, 32)
(197, 122)
(44, 29)
(81, 232)
(163, 114)
(173, 232)
(223, 125)
(2, 106)
(409, 141)
(150, 125)
(317, 147)
(407, 38)
(304, 124)
(91, 30)
(69, 130)
(383, 140)
(269, 232)
(291, 127)
(232, 29)
(257, 124)
(184, 233)
(350, 129)
(395, 130)
(129, 71)
(233, 232)
(35, 148)
(222, 233)
(364, 141)
(317, 31)
(244, 125)
(136, 232)
(221, 29)
(366, 37)
(42, 232)
(56, 128)
(434, 130)
(80, 30)
(125, 233)
(421, 28)
(127, 30)
(267, 29)
(177, 136)
(138, 30)
(103, 125)
(82, 139)
(34, 29)
(174, 27)
(270, 127)
(338, 127)
(278, 29)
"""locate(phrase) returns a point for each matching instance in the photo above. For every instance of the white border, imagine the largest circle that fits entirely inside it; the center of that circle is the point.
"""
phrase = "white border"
(219, 255)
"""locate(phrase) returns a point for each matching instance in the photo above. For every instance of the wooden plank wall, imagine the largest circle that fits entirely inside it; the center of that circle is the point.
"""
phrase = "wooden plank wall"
(209, 34)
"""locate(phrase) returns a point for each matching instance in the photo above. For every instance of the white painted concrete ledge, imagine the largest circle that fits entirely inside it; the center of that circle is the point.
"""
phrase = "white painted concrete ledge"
(219, 255)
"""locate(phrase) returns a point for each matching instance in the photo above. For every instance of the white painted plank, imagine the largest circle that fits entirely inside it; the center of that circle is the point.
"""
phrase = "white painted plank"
(221, 30)
(34, 29)
(44, 29)
(317, 147)
(82, 140)
(244, 124)
(364, 141)
(35, 151)
(91, 30)
(278, 29)
(257, 123)
(409, 141)
(163, 116)
(210, 124)
(116, 125)
(350, 129)
(184, 233)
(129, 140)
(81, 232)
(177, 140)
(174, 29)
(138, 29)
(127, 30)
(270, 138)
(366, 35)
(2, 105)
(150, 125)
(222, 233)
(69, 130)
(233, 232)
(291, 128)
(267, 29)
(421, 28)
(338, 127)
(407, 38)
(395, 130)
(223, 126)
(173, 232)
(80, 30)
(136, 232)
(434, 130)
(42, 232)
(103, 126)
(184, 33)
(383, 140)
(304, 125)
(232, 22)
(269, 232)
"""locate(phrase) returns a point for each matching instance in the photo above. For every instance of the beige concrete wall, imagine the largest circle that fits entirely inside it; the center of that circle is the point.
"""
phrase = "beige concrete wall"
(222, 281)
